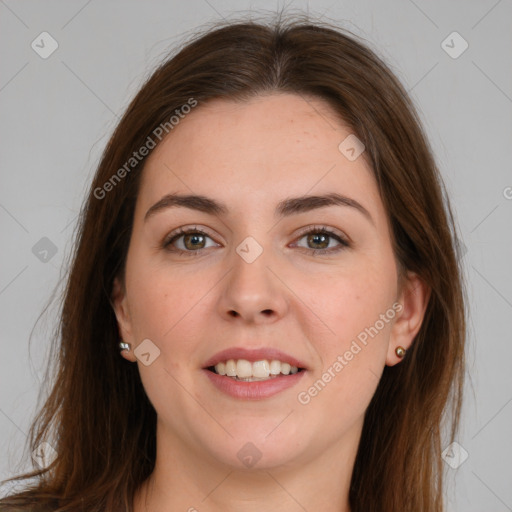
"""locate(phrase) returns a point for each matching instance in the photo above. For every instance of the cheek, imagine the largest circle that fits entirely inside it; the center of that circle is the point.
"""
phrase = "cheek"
(163, 304)
(352, 360)
(357, 306)
(353, 300)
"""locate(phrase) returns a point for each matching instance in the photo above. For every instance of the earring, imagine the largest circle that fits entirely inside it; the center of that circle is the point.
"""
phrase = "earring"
(400, 352)
(124, 346)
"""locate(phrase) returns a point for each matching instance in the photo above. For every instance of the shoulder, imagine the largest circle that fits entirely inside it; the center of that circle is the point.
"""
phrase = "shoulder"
(28, 500)
(4, 507)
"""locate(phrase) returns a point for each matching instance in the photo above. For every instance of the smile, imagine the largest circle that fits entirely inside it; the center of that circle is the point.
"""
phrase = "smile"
(244, 370)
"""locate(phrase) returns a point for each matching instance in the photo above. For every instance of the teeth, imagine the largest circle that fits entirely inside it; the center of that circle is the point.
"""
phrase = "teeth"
(242, 369)
(230, 368)
(260, 369)
(275, 367)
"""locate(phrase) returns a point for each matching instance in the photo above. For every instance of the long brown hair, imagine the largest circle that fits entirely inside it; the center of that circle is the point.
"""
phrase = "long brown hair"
(97, 415)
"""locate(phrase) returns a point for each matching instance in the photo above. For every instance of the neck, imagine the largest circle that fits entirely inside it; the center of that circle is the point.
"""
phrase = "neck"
(184, 480)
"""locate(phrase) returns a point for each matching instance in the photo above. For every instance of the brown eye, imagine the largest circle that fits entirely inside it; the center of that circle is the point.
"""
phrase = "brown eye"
(193, 241)
(320, 240)
(190, 241)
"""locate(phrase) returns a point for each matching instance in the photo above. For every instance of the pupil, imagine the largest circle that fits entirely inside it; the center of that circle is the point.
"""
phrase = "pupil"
(194, 238)
(316, 236)
(312, 238)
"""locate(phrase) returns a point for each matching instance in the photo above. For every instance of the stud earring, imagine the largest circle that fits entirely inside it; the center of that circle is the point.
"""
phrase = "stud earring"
(124, 346)
(400, 352)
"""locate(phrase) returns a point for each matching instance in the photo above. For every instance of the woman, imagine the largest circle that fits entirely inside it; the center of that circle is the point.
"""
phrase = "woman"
(305, 355)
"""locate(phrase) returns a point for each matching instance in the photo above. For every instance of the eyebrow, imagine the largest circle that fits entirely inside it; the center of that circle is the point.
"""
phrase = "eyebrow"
(287, 207)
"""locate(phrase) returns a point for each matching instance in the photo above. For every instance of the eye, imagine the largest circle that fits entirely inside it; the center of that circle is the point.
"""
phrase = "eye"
(192, 241)
(187, 241)
(321, 237)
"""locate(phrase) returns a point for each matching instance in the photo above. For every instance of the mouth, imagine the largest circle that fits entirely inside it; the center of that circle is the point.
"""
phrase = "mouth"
(253, 373)
(247, 371)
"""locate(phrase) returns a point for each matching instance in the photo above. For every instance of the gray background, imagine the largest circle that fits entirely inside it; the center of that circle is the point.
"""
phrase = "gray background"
(57, 114)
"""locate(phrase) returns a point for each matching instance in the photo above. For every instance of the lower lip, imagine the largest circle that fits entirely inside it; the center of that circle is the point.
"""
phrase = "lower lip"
(256, 390)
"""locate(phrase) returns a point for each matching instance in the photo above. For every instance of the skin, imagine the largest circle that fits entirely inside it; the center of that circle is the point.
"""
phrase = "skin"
(251, 156)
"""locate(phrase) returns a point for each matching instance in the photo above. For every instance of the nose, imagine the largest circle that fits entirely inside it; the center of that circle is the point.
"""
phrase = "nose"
(253, 292)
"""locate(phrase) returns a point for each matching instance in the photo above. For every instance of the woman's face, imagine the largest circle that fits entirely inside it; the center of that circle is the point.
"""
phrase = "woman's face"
(251, 281)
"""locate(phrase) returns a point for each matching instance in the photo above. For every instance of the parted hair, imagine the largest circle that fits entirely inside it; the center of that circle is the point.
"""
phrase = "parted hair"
(96, 414)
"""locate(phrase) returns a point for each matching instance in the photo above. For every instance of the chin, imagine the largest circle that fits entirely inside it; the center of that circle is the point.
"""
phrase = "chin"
(258, 447)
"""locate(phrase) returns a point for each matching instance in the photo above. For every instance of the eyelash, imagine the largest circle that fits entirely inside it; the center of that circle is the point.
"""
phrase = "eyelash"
(314, 229)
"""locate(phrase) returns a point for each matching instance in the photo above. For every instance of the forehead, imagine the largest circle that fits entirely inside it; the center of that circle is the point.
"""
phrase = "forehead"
(257, 151)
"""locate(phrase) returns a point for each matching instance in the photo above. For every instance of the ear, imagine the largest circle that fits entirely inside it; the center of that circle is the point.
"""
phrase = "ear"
(120, 304)
(412, 301)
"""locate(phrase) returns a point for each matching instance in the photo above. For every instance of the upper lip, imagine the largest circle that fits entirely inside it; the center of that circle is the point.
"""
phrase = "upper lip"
(253, 355)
